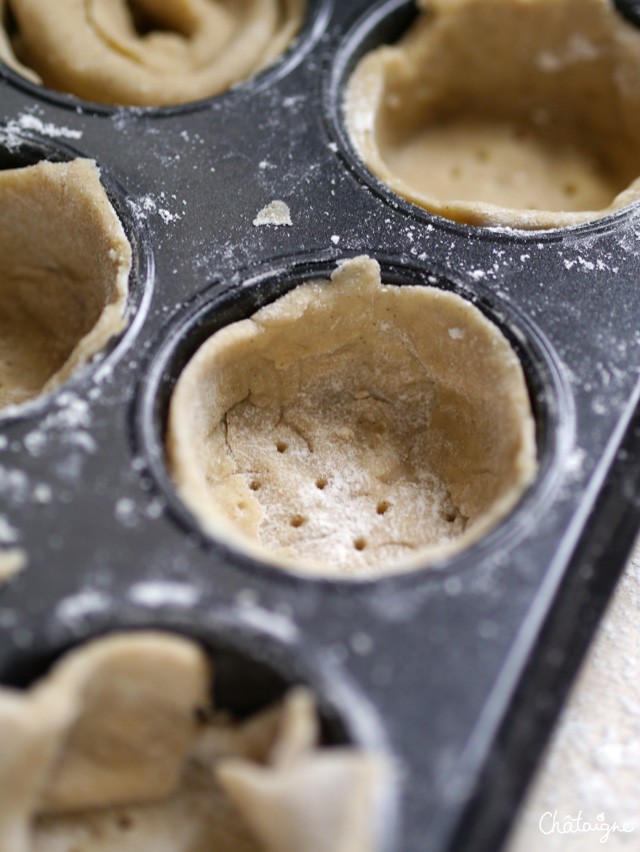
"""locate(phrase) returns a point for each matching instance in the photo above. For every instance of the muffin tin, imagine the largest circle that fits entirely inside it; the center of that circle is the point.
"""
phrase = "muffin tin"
(456, 671)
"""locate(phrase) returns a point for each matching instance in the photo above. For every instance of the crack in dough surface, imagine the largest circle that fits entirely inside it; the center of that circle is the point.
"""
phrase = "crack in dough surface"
(119, 748)
(64, 271)
(505, 113)
(353, 429)
(146, 52)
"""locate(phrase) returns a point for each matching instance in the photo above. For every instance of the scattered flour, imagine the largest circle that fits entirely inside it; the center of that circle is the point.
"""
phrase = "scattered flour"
(69, 424)
(146, 206)
(578, 49)
(276, 624)
(42, 493)
(361, 644)
(29, 121)
(159, 593)
(478, 274)
(77, 607)
(125, 512)
(8, 533)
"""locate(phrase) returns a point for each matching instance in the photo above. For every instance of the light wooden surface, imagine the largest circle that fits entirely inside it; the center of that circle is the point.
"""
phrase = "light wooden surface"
(591, 770)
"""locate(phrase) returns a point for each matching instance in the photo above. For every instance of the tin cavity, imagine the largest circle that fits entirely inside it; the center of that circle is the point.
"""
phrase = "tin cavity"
(145, 52)
(139, 765)
(346, 431)
(64, 267)
(504, 113)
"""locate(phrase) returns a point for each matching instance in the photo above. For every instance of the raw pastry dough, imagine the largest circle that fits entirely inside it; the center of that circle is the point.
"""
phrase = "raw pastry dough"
(147, 52)
(352, 428)
(118, 749)
(64, 270)
(13, 560)
(515, 113)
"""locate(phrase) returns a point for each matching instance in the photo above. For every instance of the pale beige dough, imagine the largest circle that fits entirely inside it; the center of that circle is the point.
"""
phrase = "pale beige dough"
(64, 271)
(118, 748)
(353, 429)
(13, 560)
(512, 113)
(146, 52)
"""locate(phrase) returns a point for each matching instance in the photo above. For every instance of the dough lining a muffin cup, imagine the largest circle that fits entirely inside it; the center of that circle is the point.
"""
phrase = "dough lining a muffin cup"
(64, 271)
(146, 53)
(504, 113)
(353, 429)
(119, 744)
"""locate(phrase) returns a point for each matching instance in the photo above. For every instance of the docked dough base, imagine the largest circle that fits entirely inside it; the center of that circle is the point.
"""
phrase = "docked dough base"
(64, 269)
(352, 429)
(145, 52)
(506, 113)
(503, 165)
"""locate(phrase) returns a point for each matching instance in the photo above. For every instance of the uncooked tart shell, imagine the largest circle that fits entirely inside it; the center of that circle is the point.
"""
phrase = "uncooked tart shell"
(352, 429)
(64, 271)
(108, 753)
(510, 113)
(193, 49)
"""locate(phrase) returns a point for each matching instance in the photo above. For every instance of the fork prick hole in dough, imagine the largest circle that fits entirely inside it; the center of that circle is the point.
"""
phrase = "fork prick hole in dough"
(125, 822)
(393, 462)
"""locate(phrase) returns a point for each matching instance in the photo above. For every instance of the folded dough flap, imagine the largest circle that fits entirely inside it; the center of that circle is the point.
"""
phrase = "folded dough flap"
(325, 802)
(305, 797)
(136, 699)
(115, 725)
(298, 730)
(31, 728)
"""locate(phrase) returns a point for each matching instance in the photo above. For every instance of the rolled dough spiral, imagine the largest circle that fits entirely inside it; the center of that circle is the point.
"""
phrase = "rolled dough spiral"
(146, 52)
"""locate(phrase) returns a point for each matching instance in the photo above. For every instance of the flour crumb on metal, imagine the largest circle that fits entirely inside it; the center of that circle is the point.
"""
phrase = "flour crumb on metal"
(277, 213)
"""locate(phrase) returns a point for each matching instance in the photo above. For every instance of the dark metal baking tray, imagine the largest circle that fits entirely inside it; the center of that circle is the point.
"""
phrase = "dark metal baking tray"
(458, 670)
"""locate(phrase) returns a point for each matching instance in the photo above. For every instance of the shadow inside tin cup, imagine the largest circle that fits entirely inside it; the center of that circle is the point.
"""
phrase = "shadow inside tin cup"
(550, 405)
